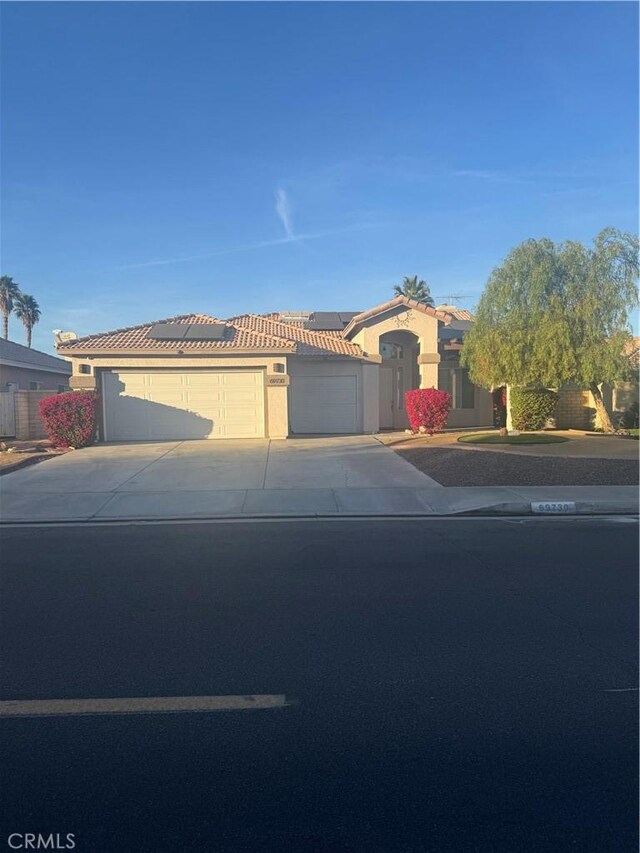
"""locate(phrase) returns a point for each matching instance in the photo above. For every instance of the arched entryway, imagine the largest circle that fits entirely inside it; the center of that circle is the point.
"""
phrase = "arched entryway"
(399, 372)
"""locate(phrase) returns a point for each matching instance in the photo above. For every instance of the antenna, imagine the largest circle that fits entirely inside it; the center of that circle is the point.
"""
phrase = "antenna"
(451, 298)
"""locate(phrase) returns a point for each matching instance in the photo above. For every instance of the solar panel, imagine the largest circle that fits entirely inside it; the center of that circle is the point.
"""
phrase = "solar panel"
(168, 331)
(325, 321)
(205, 332)
(348, 316)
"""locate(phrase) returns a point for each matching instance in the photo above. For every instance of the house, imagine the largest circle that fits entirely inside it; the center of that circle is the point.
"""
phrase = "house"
(275, 375)
(26, 376)
(26, 369)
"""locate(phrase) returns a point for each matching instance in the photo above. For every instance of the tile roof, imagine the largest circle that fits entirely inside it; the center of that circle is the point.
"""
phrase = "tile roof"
(307, 342)
(27, 357)
(244, 332)
(459, 313)
(393, 303)
(137, 338)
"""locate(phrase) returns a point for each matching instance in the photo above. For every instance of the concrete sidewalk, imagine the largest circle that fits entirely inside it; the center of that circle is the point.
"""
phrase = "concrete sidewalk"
(338, 476)
(312, 503)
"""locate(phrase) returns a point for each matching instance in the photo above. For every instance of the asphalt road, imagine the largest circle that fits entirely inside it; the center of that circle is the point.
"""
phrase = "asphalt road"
(457, 685)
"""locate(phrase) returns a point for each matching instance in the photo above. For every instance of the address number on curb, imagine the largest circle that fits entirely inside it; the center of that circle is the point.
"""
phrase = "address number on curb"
(553, 506)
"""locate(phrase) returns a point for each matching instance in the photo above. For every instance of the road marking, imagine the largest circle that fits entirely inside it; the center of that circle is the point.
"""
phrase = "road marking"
(622, 690)
(140, 705)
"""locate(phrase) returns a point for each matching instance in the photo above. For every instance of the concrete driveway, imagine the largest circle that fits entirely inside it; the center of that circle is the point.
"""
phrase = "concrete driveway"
(187, 479)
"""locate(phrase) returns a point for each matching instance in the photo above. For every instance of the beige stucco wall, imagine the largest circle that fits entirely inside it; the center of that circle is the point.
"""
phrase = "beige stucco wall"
(173, 362)
(368, 335)
(480, 415)
(401, 318)
(370, 398)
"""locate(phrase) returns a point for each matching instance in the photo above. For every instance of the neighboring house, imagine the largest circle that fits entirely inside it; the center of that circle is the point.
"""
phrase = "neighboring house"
(26, 369)
(26, 376)
(275, 375)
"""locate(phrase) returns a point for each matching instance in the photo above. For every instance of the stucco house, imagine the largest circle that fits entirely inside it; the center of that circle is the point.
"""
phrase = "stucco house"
(26, 376)
(26, 369)
(275, 375)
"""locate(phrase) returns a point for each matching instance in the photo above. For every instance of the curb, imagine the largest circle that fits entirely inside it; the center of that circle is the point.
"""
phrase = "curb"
(505, 510)
(581, 508)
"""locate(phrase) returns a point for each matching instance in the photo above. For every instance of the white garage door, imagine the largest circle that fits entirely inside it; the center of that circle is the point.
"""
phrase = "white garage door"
(323, 404)
(172, 405)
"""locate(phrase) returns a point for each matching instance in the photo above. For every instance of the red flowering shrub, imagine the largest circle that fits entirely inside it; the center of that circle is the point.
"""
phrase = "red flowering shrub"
(427, 408)
(69, 419)
(499, 399)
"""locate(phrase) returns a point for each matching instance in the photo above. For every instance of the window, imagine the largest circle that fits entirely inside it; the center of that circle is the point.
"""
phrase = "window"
(467, 390)
(456, 381)
(61, 388)
(391, 350)
(35, 386)
(85, 368)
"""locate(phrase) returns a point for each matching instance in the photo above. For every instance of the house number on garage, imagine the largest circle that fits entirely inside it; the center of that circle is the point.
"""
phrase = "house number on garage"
(277, 380)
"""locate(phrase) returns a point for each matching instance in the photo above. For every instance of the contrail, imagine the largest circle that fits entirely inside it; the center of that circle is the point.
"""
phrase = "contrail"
(247, 247)
(283, 209)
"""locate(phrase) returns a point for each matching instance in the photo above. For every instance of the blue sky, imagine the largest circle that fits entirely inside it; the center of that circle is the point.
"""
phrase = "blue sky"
(163, 158)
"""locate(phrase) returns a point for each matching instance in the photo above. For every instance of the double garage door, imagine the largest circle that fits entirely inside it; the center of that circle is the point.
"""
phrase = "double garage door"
(158, 405)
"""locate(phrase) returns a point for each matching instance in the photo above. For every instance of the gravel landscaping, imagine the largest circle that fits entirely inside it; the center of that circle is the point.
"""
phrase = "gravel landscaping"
(17, 454)
(453, 467)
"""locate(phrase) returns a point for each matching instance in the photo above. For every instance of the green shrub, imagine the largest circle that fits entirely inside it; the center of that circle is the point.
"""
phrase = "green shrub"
(531, 407)
(629, 419)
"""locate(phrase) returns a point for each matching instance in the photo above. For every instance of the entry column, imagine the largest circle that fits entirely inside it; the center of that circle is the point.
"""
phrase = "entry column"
(428, 365)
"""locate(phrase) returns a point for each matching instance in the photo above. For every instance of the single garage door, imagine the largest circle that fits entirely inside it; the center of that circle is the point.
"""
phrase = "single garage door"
(323, 404)
(153, 406)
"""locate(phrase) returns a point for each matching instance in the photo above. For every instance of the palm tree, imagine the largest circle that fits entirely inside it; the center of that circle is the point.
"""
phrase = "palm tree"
(9, 291)
(28, 310)
(416, 289)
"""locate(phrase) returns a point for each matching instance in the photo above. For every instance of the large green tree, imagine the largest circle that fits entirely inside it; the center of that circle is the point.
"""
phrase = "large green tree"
(27, 309)
(414, 288)
(557, 313)
(9, 291)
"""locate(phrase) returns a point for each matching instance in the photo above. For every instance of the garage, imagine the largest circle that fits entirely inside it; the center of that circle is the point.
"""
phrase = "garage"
(171, 405)
(323, 404)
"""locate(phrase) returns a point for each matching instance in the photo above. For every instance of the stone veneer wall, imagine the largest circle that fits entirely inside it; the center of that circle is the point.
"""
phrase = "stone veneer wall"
(28, 423)
(575, 408)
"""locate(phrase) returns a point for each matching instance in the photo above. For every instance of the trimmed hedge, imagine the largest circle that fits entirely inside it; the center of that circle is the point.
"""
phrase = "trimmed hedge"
(531, 407)
(70, 418)
(427, 409)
